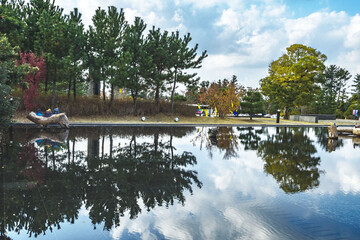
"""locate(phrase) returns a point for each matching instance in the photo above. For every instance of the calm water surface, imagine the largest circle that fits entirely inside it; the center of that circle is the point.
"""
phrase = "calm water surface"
(178, 183)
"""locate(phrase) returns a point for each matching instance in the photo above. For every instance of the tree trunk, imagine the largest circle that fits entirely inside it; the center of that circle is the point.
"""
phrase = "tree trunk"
(74, 89)
(135, 104)
(3, 202)
(73, 151)
(111, 97)
(53, 157)
(172, 149)
(104, 90)
(102, 147)
(156, 140)
(157, 99)
(69, 88)
(46, 81)
(111, 145)
(173, 92)
(53, 91)
(68, 153)
(133, 140)
(46, 157)
(286, 113)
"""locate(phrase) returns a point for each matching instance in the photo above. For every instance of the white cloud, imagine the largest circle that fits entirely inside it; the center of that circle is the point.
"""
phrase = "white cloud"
(260, 33)
(177, 17)
(352, 39)
(229, 20)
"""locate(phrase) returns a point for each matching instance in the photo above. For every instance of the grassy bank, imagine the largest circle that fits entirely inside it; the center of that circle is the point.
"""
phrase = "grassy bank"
(166, 119)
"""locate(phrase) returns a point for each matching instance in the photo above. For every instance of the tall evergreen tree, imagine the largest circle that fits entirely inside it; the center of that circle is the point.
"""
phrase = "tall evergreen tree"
(183, 58)
(52, 41)
(138, 68)
(11, 23)
(76, 42)
(96, 48)
(333, 92)
(335, 82)
(114, 54)
(157, 46)
(251, 102)
(356, 85)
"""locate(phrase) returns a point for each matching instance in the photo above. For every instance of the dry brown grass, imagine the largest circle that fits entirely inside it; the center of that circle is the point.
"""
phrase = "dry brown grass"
(91, 106)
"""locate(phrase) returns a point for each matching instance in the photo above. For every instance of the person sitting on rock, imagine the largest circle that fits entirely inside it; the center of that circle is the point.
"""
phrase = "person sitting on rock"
(56, 110)
(39, 113)
(48, 113)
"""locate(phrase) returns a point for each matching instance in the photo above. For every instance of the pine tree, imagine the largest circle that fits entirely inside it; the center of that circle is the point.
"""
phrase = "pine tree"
(157, 46)
(356, 85)
(139, 65)
(251, 102)
(182, 58)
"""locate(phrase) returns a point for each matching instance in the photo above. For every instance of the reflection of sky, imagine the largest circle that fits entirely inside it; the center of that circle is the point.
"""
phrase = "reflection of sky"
(238, 200)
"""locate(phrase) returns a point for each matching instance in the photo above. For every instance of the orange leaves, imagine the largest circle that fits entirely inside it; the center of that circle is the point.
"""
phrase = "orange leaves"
(224, 96)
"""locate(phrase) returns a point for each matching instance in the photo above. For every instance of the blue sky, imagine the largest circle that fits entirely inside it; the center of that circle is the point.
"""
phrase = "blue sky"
(243, 36)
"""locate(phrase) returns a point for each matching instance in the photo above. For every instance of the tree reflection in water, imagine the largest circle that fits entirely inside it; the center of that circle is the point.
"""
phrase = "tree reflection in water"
(222, 138)
(288, 155)
(147, 171)
(289, 158)
(41, 188)
(250, 137)
(325, 142)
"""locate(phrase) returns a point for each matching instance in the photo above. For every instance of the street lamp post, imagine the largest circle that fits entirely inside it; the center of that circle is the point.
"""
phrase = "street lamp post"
(278, 116)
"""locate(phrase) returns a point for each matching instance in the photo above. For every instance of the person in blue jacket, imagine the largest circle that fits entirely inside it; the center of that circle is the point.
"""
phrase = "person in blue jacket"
(39, 112)
(56, 110)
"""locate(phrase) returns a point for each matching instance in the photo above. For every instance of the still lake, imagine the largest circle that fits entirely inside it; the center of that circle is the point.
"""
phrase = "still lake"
(178, 183)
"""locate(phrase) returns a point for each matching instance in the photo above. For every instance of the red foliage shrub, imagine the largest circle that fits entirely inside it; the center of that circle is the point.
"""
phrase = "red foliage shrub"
(33, 79)
(33, 168)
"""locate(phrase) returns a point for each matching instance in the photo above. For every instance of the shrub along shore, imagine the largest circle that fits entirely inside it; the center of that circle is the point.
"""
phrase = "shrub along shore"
(85, 106)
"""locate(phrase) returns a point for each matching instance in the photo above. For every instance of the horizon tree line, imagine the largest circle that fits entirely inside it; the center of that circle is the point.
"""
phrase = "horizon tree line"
(120, 55)
(111, 52)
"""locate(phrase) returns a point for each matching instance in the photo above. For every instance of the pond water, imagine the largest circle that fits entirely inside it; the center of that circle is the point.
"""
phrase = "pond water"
(178, 183)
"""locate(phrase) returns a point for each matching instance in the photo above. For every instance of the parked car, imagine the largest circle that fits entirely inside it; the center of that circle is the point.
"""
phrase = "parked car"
(267, 115)
(258, 115)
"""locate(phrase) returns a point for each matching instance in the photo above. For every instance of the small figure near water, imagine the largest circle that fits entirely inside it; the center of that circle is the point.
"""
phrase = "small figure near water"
(48, 113)
(39, 112)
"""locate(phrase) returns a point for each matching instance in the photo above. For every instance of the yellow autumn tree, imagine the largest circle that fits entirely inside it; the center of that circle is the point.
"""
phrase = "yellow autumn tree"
(222, 95)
